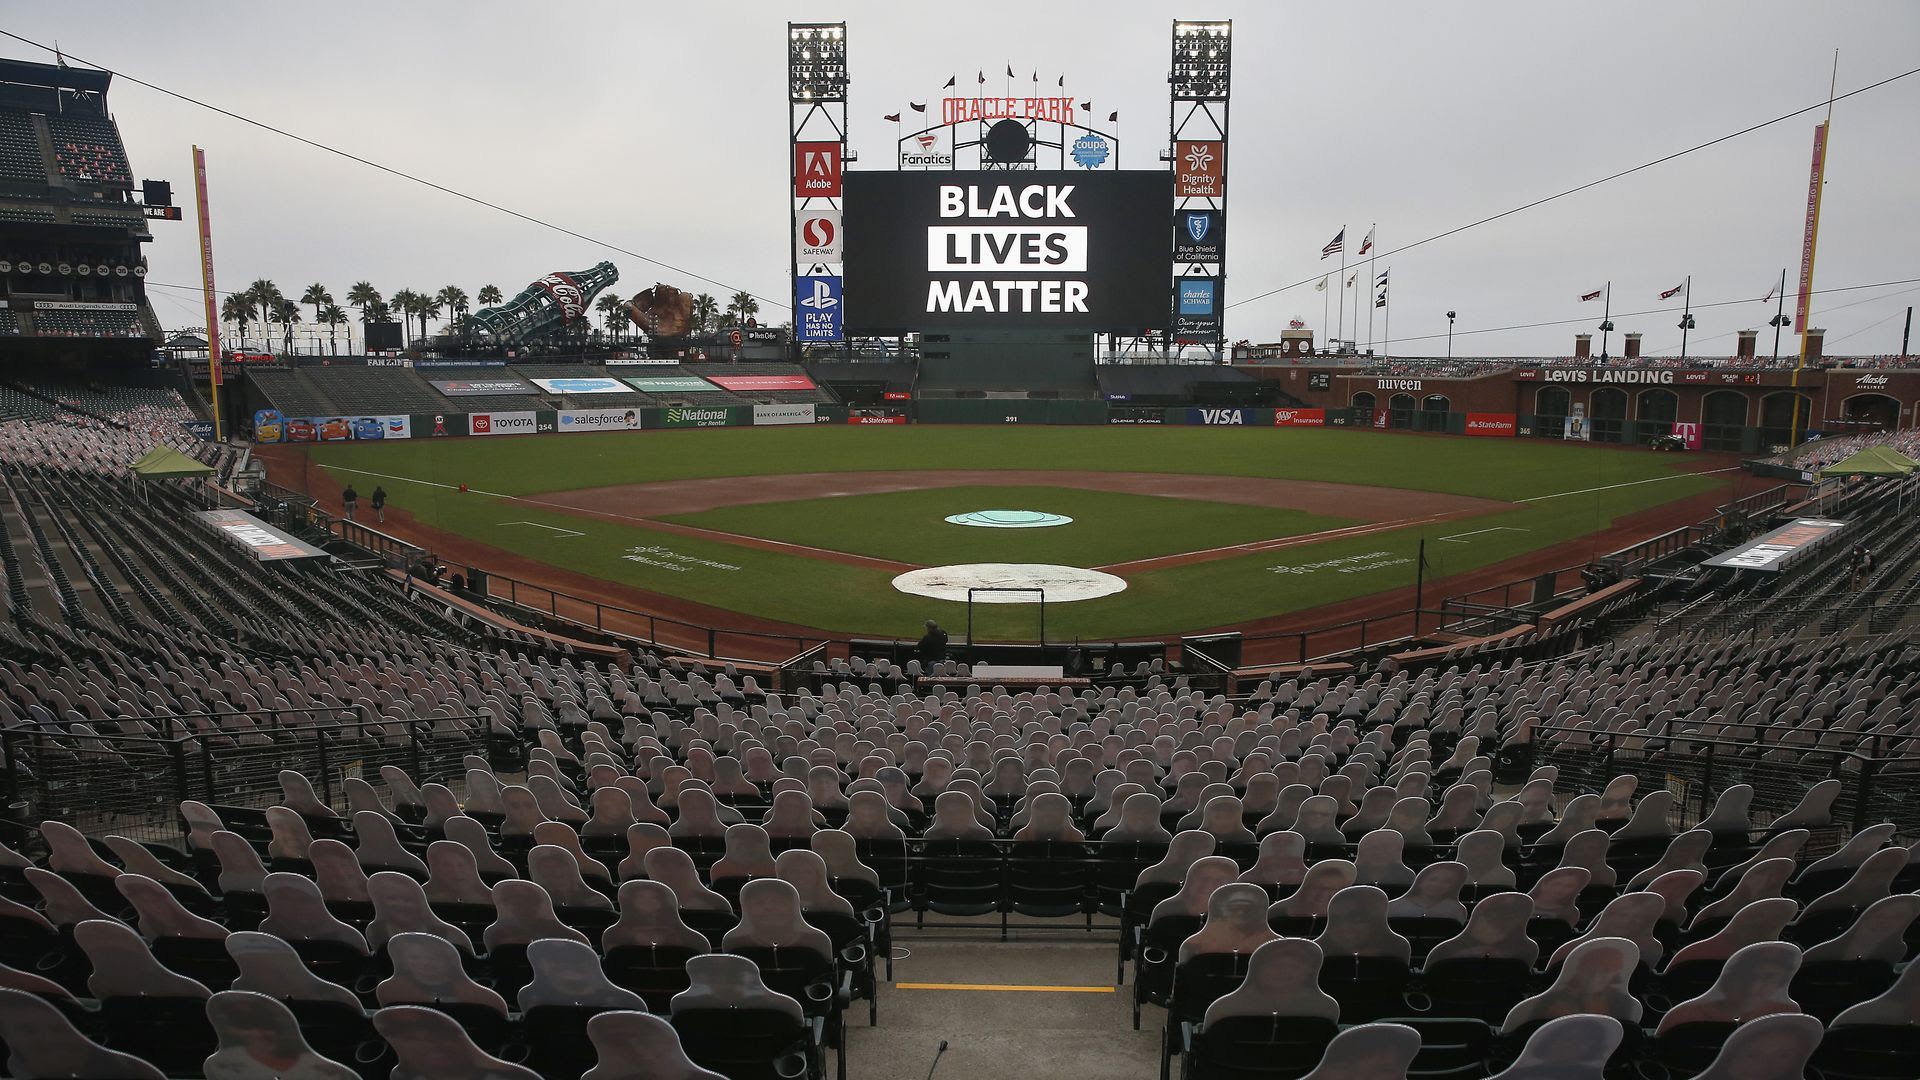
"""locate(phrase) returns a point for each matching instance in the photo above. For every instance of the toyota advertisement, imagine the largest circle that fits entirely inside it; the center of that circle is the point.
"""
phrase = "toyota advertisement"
(502, 423)
(1081, 250)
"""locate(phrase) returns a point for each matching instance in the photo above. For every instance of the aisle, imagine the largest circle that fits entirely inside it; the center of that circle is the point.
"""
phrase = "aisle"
(1074, 1026)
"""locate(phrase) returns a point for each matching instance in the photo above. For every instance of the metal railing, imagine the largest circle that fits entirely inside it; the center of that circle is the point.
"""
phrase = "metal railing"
(1876, 785)
(133, 785)
(645, 627)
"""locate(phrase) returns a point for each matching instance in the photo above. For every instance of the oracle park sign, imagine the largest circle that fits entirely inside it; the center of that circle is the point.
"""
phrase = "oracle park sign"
(1080, 250)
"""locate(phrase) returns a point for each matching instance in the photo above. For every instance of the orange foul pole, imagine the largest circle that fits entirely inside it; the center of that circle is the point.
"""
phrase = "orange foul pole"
(206, 287)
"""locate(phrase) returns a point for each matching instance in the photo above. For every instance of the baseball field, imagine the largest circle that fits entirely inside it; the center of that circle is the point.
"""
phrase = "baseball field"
(809, 526)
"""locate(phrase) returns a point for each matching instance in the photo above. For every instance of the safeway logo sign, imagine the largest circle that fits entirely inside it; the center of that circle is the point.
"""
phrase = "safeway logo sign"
(816, 170)
(818, 236)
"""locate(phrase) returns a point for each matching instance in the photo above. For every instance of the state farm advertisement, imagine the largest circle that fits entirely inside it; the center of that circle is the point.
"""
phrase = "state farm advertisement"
(501, 423)
(1299, 418)
(1492, 425)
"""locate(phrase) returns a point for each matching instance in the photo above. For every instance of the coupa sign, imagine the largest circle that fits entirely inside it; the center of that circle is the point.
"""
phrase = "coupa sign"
(1218, 417)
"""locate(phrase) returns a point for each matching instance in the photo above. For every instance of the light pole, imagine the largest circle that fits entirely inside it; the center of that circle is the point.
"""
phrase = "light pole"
(1449, 335)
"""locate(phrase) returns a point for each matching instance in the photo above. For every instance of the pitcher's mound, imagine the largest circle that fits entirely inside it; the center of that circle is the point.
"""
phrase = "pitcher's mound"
(1062, 583)
(1009, 519)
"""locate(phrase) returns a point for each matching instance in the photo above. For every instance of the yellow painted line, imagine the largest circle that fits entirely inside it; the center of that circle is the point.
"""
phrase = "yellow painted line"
(1006, 987)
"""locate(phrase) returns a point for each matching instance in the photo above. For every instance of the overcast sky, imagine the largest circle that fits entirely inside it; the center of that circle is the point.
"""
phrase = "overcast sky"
(662, 128)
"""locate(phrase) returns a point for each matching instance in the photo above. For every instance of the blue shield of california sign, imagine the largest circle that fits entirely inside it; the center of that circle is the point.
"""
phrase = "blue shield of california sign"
(1198, 235)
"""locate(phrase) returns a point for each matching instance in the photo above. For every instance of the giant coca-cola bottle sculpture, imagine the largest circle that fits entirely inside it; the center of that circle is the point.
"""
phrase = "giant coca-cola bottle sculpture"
(547, 306)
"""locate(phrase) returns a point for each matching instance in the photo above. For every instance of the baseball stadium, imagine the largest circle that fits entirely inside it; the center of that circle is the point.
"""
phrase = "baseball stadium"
(1000, 642)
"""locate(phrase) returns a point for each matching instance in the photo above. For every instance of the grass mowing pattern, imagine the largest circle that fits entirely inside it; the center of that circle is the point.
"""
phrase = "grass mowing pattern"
(847, 599)
(1107, 527)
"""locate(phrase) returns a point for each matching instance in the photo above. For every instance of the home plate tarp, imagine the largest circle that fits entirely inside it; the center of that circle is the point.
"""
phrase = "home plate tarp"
(1061, 583)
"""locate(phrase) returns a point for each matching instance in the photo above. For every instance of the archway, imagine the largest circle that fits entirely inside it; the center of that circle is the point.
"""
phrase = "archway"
(1723, 419)
(1654, 412)
(1433, 412)
(1363, 406)
(1871, 410)
(1550, 411)
(1400, 408)
(1778, 425)
(1607, 414)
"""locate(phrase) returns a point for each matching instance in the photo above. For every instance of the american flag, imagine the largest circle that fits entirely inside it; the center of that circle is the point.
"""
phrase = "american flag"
(1335, 245)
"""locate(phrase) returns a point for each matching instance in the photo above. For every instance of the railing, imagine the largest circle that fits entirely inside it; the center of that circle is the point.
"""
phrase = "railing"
(645, 627)
(1825, 616)
(133, 785)
(1876, 786)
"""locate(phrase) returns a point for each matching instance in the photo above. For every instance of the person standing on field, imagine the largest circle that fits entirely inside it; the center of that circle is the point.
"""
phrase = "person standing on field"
(351, 500)
(379, 503)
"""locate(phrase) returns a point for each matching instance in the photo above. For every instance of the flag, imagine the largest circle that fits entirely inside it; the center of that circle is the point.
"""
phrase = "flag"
(1380, 283)
(1367, 244)
(1335, 245)
(1036, 78)
(1594, 295)
(1063, 82)
(1351, 278)
(1296, 324)
(980, 77)
(949, 85)
(1673, 292)
(895, 117)
(1322, 287)
(1113, 117)
(1771, 289)
(1086, 106)
(1009, 71)
(920, 106)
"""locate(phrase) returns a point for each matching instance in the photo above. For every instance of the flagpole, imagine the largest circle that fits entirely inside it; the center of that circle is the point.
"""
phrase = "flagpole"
(1375, 257)
(1779, 316)
(1323, 313)
(1686, 311)
(1606, 321)
(1386, 330)
(1340, 326)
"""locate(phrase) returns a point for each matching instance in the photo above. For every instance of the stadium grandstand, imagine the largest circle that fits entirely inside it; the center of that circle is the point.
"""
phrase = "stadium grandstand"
(1476, 718)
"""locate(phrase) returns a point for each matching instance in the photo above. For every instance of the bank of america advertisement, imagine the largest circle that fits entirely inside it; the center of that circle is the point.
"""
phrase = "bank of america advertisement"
(1081, 250)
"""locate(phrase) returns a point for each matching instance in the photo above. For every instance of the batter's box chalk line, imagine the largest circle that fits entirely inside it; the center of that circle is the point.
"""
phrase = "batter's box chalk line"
(549, 528)
(1460, 538)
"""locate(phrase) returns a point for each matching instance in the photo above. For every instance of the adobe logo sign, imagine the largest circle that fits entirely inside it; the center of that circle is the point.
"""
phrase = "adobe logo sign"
(816, 170)
(817, 239)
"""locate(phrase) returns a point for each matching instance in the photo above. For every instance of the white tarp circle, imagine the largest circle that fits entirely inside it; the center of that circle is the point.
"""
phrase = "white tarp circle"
(1009, 519)
(1062, 583)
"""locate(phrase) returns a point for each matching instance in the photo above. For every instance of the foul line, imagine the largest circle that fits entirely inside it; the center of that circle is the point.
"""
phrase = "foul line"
(1456, 537)
(1258, 546)
(412, 480)
(1630, 483)
(1006, 988)
(537, 525)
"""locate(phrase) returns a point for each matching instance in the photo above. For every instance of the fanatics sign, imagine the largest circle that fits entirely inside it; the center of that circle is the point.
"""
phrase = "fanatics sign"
(1007, 249)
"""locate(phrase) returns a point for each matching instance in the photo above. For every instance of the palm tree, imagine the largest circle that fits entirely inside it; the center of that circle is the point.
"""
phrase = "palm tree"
(318, 296)
(614, 311)
(488, 296)
(287, 314)
(455, 299)
(744, 306)
(266, 297)
(429, 307)
(406, 303)
(363, 296)
(334, 317)
(237, 309)
(705, 310)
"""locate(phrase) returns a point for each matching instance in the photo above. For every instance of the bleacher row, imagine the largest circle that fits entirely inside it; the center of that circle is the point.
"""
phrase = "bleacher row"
(86, 148)
(313, 390)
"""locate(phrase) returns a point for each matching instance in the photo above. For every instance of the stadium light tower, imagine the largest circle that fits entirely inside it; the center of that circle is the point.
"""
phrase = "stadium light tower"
(1200, 81)
(816, 62)
(817, 128)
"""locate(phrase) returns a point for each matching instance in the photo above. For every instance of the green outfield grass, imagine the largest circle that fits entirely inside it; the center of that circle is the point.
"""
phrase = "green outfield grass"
(421, 475)
(1107, 527)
